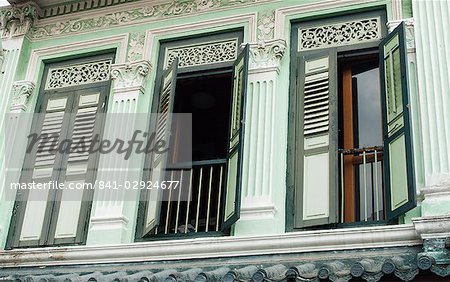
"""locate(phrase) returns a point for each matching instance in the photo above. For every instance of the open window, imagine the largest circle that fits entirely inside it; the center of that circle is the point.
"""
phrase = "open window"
(353, 151)
(65, 121)
(214, 93)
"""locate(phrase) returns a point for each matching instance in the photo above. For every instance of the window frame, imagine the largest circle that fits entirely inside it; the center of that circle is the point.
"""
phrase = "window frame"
(184, 72)
(50, 217)
(292, 172)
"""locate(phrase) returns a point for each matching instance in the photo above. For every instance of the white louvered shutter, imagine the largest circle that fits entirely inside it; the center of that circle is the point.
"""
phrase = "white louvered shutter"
(41, 166)
(316, 134)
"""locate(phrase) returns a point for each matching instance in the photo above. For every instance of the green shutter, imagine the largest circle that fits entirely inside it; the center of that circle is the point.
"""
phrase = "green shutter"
(236, 139)
(29, 225)
(399, 176)
(72, 208)
(316, 138)
(159, 161)
(59, 216)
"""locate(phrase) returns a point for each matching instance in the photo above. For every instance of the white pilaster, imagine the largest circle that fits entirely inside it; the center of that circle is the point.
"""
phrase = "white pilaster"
(260, 132)
(113, 214)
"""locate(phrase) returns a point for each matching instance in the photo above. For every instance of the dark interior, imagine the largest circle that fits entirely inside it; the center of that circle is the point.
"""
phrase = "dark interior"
(207, 97)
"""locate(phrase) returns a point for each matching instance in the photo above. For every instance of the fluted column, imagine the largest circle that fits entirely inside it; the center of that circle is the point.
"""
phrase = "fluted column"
(432, 38)
(113, 216)
(261, 183)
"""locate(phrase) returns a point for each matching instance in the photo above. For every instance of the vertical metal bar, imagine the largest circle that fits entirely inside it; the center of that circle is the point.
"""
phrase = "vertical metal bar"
(376, 184)
(219, 199)
(179, 201)
(188, 202)
(168, 205)
(209, 197)
(365, 185)
(199, 198)
(342, 188)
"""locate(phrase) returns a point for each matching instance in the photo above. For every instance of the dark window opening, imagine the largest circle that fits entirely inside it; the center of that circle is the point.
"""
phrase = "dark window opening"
(360, 139)
(207, 97)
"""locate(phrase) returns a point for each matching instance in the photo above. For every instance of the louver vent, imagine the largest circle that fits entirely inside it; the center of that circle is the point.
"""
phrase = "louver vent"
(316, 102)
(49, 138)
(82, 134)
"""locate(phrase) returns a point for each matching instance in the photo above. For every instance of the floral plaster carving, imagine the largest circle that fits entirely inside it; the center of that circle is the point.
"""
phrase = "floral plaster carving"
(338, 34)
(203, 53)
(18, 20)
(78, 74)
(147, 12)
(266, 25)
(130, 74)
(267, 54)
(22, 90)
(136, 46)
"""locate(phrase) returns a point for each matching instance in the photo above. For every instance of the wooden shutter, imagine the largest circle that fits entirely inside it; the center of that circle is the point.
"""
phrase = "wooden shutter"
(59, 216)
(29, 226)
(163, 132)
(235, 143)
(72, 206)
(399, 176)
(316, 137)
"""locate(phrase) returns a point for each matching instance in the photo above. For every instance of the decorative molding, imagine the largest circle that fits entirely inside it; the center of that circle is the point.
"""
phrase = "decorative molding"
(266, 25)
(78, 74)
(367, 265)
(142, 12)
(202, 248)
(248, 21)
(283, 15)
(267, 54)
(430, 227)
(129, 75)
(18, 19)
(37, 55)
(136, 46)
(22, 90)
(203, 53)
(339, 34)
(79, 6)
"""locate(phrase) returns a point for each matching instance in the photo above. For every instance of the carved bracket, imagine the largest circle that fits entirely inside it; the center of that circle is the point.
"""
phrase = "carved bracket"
(18, 19)
(22, 91)
(267, 54)
(130, 75)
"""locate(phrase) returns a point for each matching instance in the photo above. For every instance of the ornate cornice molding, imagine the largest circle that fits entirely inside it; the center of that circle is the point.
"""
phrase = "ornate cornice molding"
(130, 75)
(21, 92)
(266, 55)
(18, 19)
(429, 227)
(136, 14)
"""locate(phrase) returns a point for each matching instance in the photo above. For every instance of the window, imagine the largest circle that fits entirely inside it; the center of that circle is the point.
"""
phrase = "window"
(72, 95)
(206, 77)
(351, 134)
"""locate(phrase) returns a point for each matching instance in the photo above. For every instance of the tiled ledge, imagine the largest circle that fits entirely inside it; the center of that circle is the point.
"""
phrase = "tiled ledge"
(293, 242)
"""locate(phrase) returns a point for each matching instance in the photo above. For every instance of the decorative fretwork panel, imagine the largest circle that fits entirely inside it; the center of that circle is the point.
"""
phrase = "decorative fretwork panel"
(338, 34)
(202, 54)
(78, 74)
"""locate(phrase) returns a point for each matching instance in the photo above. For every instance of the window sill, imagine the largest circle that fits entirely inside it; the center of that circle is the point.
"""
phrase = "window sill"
(292, 242)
